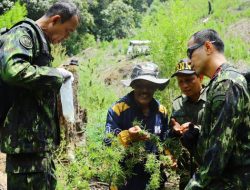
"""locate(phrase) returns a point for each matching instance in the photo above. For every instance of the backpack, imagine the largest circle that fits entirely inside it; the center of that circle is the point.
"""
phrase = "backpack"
(247, 77)
(245, 73)
(42, 58)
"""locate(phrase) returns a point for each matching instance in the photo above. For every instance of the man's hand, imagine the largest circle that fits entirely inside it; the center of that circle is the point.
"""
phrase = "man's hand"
(177, 128)
(65, 73)
(185, 127)
(134, 130)
(136, 133)
(190, 137)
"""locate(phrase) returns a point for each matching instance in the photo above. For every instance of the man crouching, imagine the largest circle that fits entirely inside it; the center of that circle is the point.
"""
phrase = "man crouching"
(139, 105)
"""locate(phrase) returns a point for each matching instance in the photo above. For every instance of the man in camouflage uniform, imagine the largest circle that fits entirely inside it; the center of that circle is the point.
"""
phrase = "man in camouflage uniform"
(223, 147)
(31, 131)
(188, 107)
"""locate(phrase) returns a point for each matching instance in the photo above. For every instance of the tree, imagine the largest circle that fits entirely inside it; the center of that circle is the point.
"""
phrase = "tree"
(37, 8)
(118, 21)
(81, 37)
(95, 9)
(5, 5)
(16, 13)
(138, 5)
(106, 19)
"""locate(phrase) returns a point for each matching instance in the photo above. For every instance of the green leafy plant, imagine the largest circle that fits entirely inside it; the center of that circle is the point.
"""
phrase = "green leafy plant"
(15, 14)
(59, 54)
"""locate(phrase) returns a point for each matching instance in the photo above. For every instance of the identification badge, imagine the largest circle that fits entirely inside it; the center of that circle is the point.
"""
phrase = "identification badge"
(157, 129)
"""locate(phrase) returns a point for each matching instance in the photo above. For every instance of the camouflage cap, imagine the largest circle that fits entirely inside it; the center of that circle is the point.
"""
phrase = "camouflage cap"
(183, 67)
(146, 71)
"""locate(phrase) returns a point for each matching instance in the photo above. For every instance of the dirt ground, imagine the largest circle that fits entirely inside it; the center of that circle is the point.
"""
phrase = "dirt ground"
(113, 74)
(3, 177)
(240, 29)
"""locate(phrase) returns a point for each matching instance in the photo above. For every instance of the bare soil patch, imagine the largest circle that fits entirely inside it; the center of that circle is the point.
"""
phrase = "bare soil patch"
(240, 29)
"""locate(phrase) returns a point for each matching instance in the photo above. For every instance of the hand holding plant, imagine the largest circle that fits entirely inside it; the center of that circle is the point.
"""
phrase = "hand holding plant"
(137, 134)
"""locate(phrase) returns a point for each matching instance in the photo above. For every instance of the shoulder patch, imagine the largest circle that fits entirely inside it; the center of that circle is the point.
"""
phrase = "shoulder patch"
(26, 41)
(120, 107)
(163, 110)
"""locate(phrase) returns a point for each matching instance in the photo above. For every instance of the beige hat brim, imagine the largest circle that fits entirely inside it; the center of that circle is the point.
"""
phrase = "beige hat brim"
(161, 82)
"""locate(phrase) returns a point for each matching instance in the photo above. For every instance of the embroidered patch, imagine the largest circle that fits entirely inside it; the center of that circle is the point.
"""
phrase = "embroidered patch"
(26, 42)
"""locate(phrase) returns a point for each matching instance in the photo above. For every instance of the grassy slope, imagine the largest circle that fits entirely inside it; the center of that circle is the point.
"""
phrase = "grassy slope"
(168, 26)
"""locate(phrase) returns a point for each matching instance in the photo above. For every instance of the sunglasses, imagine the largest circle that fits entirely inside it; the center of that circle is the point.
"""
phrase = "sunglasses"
(191, 50)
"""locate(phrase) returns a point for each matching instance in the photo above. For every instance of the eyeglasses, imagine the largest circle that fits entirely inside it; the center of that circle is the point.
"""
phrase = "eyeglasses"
(191, 50)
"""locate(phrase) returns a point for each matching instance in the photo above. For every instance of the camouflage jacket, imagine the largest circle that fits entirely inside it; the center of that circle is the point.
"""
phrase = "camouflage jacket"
(223, 148)
(125, 111)
(32, 123)
(185, 110)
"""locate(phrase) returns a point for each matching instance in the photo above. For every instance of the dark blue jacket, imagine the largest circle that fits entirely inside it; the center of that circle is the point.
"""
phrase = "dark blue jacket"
(124, 112)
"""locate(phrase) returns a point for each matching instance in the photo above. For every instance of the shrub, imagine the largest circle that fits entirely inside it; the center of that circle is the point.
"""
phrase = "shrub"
(118, 21)
(12, 16)
(59, 54)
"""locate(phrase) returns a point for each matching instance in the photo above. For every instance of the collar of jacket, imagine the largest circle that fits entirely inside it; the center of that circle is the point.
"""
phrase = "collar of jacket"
(203, 96)
(222, 68)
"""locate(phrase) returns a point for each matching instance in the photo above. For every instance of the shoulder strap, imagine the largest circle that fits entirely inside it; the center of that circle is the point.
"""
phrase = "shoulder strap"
(245, 73)
(231, 68)
(247, 76)
(228, 67)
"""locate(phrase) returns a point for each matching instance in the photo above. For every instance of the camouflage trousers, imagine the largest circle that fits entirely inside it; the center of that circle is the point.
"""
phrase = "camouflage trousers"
(30, 172)
(31, 181)
(185, 166)
(233, 180)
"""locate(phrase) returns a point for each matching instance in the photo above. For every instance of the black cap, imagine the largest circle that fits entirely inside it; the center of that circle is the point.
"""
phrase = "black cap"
(183, 67)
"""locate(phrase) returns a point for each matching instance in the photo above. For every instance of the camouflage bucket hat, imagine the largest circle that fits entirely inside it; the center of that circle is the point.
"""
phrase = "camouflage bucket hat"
(146, 71)
(183, 67)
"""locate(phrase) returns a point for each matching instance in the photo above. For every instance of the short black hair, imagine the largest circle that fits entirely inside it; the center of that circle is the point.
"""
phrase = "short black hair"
(209, 35)
(66, 9)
